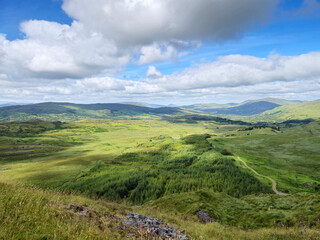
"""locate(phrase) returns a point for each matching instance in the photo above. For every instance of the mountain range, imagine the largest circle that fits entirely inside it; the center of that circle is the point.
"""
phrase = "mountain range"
(258, 110)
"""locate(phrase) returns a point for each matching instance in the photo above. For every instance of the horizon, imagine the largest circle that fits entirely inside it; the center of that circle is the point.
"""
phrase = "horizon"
(151, 52)
(157, 104)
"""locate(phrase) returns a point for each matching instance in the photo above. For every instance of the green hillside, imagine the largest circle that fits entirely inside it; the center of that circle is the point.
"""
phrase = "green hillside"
(73, 112)
(31, 213)
(247, 212)
(201, 107)
(246, 109)
(168, 168)
(207, 106)
(172, 167)
(303, 110)
(281, 102)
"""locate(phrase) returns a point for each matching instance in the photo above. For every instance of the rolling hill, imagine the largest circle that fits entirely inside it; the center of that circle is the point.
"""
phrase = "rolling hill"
(203, 107)
(293, 111)
(78, 180)
(247, 108)
(278, 101)
(72, 112)
(268, 110)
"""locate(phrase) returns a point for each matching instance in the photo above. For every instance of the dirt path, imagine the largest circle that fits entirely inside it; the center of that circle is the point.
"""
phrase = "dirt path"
(274, 184)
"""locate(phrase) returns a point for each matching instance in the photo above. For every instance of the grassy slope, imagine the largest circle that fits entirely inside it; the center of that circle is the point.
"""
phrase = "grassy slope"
(73, 112)
(66, 152)
(172, 166)
(253, 211)
(293, 111)
(31, 213)
(278, 101)
(88, 142)
(288, 112)
(290, 156)
(200, 107)
(246, 109)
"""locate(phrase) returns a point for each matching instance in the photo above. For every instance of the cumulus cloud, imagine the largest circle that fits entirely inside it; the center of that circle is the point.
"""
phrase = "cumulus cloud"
(100, 84)
(156, 53)
(153, 72)
(143, 22)
(239, 70)
(233, 77)
(52, 51)
(106, 35)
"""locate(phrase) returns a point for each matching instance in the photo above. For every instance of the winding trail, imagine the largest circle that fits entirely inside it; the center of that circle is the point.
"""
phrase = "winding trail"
(274, 184)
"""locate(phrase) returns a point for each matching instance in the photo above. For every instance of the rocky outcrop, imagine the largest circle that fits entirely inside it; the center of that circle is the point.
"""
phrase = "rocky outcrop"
(134, 225)
(155, 228)
(204, 217)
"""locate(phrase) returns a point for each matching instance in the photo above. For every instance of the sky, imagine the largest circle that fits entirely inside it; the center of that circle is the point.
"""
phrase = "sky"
(163, 52)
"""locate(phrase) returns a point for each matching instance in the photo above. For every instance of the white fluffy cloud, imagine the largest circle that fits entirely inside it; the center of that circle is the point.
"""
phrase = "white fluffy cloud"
(240, 70)
(52, 51)
(234, 77)
(106, 35)
(156, 53)
(153, 72)
(143, 22)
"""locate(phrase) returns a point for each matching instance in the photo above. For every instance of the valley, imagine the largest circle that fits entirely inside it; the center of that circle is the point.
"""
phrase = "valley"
(252, 179)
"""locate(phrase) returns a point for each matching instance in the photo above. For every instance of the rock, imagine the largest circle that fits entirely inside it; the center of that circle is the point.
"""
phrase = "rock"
(153, 227)
(204, 217)
(184, 237)
(84, 212)
(305, 184)
(78, 209)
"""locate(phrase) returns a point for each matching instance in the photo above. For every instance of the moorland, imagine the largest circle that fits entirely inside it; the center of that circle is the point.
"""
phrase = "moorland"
(253, 168)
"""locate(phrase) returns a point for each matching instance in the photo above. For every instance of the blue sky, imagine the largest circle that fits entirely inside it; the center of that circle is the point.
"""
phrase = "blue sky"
(13, 12)
(288, 28)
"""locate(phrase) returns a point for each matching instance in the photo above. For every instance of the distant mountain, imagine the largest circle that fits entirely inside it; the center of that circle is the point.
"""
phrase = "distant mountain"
(293, 111)
(246, 109)
(278, 101)
(153, 105)
(150, 105)
(11, 104)
(72, 112)
(202, 107)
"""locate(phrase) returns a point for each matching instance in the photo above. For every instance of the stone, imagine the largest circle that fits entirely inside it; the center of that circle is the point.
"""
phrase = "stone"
(153, 227)
(204, 217)
(76, 208)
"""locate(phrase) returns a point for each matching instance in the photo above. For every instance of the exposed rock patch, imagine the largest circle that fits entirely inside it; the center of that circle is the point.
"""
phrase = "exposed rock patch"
(154, 228)
(135, 225)
(204, 217)
(78, 209)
